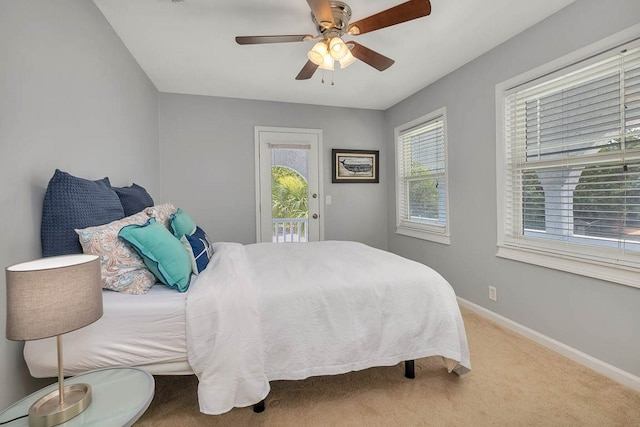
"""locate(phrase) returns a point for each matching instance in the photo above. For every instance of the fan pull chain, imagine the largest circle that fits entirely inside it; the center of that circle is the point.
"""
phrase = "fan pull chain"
(332, 81)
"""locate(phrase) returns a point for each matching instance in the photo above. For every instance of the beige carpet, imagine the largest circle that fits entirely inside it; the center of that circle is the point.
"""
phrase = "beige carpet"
(513, 382)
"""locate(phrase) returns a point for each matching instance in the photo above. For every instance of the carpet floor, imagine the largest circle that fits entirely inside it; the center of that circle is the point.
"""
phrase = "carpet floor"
(513, 382)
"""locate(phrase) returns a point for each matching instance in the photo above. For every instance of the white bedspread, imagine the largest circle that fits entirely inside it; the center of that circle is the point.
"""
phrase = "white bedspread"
(335, 306)
(224, 343)
(289, 311)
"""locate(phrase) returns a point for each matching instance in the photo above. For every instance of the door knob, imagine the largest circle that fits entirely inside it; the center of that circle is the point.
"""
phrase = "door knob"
(314, 216)
(314, 195)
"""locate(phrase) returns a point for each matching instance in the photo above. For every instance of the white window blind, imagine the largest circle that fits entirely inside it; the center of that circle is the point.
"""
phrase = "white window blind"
(572, 162)
(422, 176)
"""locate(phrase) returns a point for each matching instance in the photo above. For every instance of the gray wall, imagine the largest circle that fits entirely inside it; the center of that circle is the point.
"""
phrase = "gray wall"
(207, 163)
(599, 318)
(71, 97)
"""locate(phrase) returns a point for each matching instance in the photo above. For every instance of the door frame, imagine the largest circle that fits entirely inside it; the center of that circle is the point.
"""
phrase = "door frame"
(258, 182)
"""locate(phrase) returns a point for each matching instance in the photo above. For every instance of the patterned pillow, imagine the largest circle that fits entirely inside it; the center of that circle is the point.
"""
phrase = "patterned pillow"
(134, 198)
(71, 202)
(162, 213)
(199, 248)
(122, 268)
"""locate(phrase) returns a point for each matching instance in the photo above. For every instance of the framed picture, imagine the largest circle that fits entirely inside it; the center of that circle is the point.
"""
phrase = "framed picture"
(349, 166)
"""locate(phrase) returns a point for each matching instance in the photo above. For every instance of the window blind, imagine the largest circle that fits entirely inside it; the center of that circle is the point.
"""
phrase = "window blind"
(573, 161)
(422, 192)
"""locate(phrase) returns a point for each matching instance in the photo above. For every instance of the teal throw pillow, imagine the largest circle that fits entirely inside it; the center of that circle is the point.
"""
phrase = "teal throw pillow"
(181, 223)
(161, 252)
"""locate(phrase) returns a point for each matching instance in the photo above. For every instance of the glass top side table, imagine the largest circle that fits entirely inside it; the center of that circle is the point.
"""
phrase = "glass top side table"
(120, 397)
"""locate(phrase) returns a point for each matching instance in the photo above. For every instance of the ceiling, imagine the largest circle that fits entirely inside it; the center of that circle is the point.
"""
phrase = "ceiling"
(188, 46)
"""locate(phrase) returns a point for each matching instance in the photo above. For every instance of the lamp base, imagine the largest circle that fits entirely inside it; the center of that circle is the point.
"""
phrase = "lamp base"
(48, 411)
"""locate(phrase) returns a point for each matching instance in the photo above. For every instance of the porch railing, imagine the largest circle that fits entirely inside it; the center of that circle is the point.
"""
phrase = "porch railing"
(290, 229)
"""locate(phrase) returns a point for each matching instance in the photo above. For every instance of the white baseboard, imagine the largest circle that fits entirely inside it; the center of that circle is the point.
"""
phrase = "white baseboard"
(610, 371)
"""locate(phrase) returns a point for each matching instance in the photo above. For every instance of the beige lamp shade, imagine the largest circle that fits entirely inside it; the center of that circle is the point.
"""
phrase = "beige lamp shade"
(52, 296)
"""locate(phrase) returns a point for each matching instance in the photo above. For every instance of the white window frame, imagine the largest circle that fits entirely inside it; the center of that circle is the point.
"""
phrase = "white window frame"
(588, 262)
(438, 233)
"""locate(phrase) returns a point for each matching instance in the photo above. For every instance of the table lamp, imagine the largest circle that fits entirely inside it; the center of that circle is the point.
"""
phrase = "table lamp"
(50, 297)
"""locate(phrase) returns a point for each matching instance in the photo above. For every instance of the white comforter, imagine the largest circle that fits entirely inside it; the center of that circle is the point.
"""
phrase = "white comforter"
(289, 311)
(224, 343)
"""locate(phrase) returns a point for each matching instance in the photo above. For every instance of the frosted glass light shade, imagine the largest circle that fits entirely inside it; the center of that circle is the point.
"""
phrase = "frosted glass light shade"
(337, 48)
(347, 60)
(317, 53)
(327, 64)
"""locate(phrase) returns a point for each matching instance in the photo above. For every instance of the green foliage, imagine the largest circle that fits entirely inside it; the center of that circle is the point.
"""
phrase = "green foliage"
(606, 206)
(423, 193)
(606, 201)
(532, 201)
(289, 193)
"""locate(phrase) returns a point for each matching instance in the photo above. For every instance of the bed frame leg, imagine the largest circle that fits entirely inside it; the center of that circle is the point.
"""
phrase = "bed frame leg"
(259, 407)
(410, 369)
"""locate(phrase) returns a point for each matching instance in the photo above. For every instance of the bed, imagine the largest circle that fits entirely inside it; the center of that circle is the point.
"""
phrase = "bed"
(263, 312)
(322, 308)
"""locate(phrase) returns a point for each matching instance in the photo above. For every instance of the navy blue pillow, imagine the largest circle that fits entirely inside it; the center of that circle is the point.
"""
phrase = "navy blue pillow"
(71, 202)
(134, 198)
(199, 248)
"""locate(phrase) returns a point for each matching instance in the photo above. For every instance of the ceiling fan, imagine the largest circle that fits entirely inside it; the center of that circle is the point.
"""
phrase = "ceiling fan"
(331, 19)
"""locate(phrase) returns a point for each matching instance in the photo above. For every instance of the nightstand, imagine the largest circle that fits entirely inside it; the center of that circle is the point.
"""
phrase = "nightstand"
(120, 397)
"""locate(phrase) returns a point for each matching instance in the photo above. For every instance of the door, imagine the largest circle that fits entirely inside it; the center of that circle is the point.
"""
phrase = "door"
(288, 178)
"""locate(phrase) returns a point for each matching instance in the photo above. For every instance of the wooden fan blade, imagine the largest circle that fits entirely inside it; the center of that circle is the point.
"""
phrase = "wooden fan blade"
(321, 9)
(307, 71)
(371, 57)
(272, 39)
(396, 15)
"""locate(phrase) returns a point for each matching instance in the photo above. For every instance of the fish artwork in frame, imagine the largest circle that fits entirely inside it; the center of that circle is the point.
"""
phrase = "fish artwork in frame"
(354, 166)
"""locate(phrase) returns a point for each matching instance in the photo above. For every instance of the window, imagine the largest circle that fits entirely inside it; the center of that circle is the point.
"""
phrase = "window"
(422, 199)
(569, 168)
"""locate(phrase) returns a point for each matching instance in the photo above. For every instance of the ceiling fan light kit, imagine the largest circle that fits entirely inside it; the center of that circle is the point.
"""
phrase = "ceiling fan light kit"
(325, 52)
(331, 18)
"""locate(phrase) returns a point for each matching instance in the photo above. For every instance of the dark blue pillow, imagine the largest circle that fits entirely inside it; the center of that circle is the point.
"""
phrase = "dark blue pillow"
(71, 202)
(134, 198)
(199, 249)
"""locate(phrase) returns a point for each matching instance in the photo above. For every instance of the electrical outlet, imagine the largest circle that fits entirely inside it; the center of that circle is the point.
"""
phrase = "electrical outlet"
(493, 293)
(328, 200)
